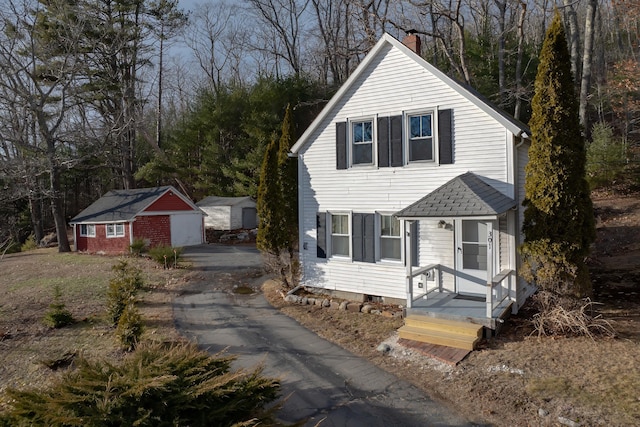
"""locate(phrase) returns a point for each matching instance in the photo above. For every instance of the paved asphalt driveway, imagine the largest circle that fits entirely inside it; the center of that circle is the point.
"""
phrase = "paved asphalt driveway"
(323, 382)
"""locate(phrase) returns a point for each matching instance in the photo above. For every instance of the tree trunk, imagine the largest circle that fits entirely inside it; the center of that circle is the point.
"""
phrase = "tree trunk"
(518, 77)
(574, 38)
(502, 8)
(587, 60)
(57, 211)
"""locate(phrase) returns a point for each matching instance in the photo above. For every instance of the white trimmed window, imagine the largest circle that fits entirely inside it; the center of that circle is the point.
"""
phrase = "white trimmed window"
(362, 142)
(420, 137)
(390, 238)
(87, 230)
(115, 230)
(340, 235)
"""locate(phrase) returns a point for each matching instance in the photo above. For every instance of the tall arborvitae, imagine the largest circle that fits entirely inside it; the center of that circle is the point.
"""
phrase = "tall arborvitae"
(271, 233)
(558, 219)
(288, 183)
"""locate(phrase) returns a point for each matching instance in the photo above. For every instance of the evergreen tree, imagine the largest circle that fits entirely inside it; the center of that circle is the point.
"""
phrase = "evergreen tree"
(271, 232)
(558, 219)
(289, 183)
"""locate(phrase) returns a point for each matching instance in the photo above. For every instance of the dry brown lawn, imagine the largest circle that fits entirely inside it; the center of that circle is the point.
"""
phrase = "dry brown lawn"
(505, 383)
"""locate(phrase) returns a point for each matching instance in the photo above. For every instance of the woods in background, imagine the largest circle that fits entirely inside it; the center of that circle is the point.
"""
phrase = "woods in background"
(96, 95)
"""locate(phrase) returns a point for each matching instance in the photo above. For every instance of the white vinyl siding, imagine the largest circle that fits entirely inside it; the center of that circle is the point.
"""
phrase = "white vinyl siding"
(479, 146)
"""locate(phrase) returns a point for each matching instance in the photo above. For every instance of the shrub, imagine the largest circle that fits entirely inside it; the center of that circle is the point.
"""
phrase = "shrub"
(138, 247)
(29, 244)
(57, 316)
(123, 288)
(154, 386)
(166, 256)
(606, 156)
(129, 327)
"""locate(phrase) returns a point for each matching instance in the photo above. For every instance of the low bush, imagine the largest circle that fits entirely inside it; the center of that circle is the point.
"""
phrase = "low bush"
(29, 244)
(138, 247)
(123, 287)
(156, 385)
(166, 256)
(129, 328)
(57, 315)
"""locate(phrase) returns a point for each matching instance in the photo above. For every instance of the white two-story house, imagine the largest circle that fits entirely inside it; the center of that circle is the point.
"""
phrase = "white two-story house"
(410, 191)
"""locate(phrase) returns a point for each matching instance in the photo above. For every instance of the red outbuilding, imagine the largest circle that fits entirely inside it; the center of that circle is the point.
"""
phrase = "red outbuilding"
(159, 216)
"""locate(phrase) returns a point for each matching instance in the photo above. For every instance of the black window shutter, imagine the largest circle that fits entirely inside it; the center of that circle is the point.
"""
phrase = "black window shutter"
(321, 234)
(445, 137)
(395, 125)
(357, 237)
(363, 238)
(383, 142)
(341, 145)
(415, 262)
(369, 241)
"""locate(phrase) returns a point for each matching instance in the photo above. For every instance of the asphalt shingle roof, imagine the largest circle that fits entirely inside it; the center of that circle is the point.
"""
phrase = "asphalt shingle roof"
(119, 205)
(464, 195)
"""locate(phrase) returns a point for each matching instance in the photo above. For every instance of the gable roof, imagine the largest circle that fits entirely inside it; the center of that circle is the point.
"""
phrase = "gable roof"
(514, 126)
(123, 205)
(464, 195)
(222, 201)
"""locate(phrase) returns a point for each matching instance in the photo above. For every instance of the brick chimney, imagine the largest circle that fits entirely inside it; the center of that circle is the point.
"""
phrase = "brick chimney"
(413, 42)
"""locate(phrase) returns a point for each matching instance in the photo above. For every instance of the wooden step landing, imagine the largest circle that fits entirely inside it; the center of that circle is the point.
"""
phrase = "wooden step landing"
(444, 332)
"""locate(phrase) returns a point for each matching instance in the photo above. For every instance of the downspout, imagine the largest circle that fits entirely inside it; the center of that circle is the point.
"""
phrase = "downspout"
(409, 261)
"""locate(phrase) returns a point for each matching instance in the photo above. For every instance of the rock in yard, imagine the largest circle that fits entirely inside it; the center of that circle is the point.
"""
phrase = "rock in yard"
(291, 298)
(343, 305)
(326, 303)
(384, 348)
(304, 301)
(354, 306)
(543, 412)
(335, 305)
(367, 308)
(567, 422)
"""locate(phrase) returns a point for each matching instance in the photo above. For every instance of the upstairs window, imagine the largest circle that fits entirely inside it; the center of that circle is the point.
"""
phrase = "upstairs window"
(340, 235)
(390, 238)
(420, 137)
(87, 230)
(362, 142)
(115, 230)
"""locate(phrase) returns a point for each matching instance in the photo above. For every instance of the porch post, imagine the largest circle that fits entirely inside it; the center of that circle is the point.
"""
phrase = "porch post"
(490, 269)
(409, 261)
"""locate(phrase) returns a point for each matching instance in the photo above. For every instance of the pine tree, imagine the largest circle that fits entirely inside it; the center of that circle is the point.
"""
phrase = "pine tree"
(558, 219)
(288, 183)
(271, 232)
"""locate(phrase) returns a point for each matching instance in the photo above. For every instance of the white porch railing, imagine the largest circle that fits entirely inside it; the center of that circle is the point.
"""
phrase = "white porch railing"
(422, 281)
(500, 290)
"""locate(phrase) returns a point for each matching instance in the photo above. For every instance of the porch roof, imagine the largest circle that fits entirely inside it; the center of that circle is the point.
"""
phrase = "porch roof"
(463, 196)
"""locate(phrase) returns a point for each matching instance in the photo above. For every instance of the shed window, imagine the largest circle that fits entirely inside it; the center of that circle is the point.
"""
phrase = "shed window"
(115, 230)
(87, 230)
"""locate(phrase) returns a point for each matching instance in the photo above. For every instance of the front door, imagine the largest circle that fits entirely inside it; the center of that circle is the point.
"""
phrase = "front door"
(473, 243)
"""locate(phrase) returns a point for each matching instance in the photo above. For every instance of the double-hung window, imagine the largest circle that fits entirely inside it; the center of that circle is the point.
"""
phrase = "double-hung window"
(340, 235)
(115, 230)
(362, 142)
(390, 238)
(420, 127)
(87, 230)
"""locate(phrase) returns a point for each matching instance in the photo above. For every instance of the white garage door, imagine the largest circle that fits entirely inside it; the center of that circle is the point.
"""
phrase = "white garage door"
(186, 229)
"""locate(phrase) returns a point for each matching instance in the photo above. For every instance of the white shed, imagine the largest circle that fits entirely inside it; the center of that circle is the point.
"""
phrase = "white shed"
(229, 213)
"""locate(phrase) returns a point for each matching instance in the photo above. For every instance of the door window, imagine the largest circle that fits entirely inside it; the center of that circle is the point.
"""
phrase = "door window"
(474, 245)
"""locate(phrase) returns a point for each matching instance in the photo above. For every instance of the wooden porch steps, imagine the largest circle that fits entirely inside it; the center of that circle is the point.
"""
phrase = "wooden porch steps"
(433, 330)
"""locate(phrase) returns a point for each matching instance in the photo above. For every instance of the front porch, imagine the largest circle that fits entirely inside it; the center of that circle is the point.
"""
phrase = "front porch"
(451, 306)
